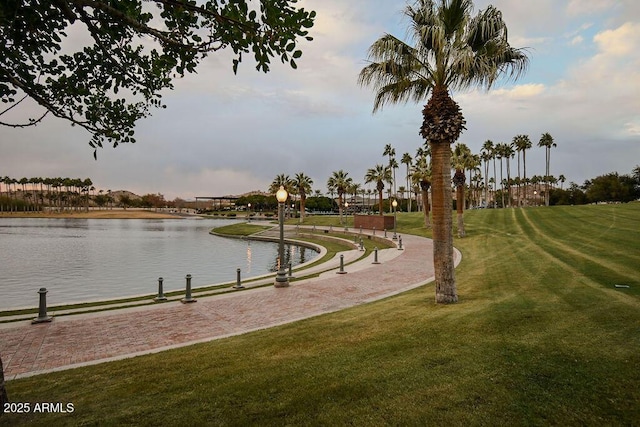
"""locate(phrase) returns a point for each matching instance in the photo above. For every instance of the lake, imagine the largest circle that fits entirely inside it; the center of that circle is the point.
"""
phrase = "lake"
(81, 260)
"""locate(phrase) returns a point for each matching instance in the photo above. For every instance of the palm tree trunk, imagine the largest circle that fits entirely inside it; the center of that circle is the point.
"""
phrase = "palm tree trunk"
(442, 223)
(460, 210)
(425, 208)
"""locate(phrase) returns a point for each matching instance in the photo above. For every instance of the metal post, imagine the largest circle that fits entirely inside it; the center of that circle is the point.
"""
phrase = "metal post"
(341, 266)
(385, 233)
(238, 282)
(361, 244)
(187, 297)
(374, 231)
(281, 277)
(400, 242)
(375, 256)
(160, 296)
(42, 308)
(291, 271)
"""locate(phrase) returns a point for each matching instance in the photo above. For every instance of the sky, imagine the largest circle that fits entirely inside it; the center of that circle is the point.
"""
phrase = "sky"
(227, 134)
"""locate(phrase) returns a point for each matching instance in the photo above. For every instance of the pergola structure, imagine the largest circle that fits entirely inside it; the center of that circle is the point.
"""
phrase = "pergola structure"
(223, 201)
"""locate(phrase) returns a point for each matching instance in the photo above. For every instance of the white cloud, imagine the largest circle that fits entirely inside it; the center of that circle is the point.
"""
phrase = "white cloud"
(521, 91)
(587, 7)
(619, 42)
(576, 40)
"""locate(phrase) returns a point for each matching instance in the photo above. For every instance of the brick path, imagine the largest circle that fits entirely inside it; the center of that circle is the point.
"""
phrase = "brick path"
(78, 340)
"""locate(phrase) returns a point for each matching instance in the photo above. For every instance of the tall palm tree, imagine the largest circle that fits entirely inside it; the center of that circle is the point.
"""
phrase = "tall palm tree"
(451, 50)
(460, 161)
(508, 154)
(546, 140)
(379, 174)
(407, 160)
(487, 154)
(339, 182)
(303, 185)
(284, 181)
(422, 177)
(522, 143)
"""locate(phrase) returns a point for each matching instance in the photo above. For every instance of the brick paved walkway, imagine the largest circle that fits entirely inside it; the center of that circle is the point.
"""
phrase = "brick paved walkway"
(83, 339)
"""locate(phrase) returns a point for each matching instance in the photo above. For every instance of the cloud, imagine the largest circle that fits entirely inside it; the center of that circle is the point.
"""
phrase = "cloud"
(576, 40)
(521, 91)
(619, 42)
(589, 7)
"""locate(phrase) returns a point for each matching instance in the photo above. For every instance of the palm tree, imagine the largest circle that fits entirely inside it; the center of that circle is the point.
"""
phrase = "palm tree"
(486, 154)
(339, 182)
(460, 161)
(547, 141)
(562, 180)
(286, 182)
(522, 144)
(379, 174)
(508, 154)
(406, 160)
(453, 50)
(303, 184)
(422, 177)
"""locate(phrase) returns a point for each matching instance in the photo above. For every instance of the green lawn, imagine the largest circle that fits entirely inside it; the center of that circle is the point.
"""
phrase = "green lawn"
(541, 336)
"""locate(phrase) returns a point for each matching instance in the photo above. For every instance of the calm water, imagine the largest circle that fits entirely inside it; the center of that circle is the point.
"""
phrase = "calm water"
(88, 259)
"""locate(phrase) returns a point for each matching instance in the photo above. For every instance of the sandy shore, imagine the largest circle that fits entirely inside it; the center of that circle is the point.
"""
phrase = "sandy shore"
(102, 214)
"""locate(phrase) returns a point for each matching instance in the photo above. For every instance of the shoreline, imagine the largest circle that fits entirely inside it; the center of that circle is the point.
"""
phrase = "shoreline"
(97, 214)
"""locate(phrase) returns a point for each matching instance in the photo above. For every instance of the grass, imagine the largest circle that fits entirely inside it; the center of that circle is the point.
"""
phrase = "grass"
(541, 336)
(240, 229)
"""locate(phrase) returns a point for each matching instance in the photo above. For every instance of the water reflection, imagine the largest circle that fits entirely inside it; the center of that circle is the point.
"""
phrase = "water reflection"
(88, 259)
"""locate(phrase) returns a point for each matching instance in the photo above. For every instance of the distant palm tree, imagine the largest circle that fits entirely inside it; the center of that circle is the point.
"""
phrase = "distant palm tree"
(508, 154)
(522, 143)
(303, 184)
(546, 140)
(286, 182)
(486, 154)
(422, 177)
(453, 50)
(407, 160)
(339, 182)
(562, 180)
(379, 174)
(460, 161)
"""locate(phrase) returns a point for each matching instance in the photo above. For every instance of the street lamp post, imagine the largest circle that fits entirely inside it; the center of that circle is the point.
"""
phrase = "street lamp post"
(249, 211)
(395, 218)
(346, 215)
(282, 281)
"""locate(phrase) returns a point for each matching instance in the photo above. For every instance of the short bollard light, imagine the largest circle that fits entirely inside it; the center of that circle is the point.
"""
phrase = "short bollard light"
(375, 256)
(160, 296)
(187, 298)
(400, 243)
(42, 308)
(341, 271)
(291, 271)
(361, 245)
(331, 228)
(385, 233)
(361, 230)
(374, 231)
(238, 281)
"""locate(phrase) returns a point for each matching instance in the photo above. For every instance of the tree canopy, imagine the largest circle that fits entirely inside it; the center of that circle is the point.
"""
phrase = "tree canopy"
(102, 64)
